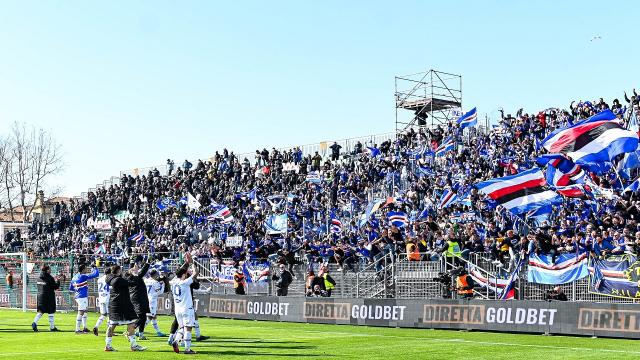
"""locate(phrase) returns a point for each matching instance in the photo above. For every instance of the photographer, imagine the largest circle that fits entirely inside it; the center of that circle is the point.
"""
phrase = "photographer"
(556, 294)
(464, 284)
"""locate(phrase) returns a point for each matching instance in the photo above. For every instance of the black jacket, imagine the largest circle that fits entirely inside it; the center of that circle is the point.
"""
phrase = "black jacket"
(138, 290)
(46, 293)
(120, 306)
(284, 280)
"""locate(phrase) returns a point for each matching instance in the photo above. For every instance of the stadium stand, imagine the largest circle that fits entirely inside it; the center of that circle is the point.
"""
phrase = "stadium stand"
(388, 218)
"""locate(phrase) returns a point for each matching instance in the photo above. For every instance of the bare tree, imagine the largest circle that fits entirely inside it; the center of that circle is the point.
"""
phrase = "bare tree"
(33, 156)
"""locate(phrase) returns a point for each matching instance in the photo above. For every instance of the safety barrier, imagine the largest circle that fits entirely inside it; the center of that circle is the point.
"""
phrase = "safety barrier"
(540, 317)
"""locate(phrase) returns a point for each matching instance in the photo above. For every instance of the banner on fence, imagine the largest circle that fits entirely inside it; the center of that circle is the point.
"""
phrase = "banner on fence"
(617, 276)
(567, 268)
(256, 272)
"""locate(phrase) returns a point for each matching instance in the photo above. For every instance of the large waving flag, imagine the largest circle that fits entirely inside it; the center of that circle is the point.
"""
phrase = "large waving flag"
(468, 119)
(596, 139)
(398, 218)
(448, 197)
(373, 151)
(567, 268)
(520, 193)
(561, 171)
(447, 145)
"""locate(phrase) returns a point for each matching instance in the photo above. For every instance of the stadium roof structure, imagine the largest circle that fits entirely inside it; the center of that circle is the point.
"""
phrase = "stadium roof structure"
(427, 99)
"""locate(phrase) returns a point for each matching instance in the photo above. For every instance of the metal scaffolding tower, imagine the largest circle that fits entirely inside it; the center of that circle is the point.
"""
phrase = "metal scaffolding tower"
(432, 98)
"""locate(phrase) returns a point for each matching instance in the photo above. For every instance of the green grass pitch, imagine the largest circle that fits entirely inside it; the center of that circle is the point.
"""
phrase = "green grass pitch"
(241, 339)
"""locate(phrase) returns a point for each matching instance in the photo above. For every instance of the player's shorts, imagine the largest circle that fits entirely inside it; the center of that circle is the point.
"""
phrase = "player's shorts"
(83, 304)
(186, 318)
(153, 308)
(103, 306)
(121, 322)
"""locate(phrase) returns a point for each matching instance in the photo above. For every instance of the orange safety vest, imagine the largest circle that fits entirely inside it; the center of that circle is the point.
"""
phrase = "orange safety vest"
(414, 255)
(462, 284)
(238, 280)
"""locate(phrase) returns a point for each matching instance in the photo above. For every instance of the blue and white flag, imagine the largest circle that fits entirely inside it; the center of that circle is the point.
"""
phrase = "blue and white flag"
(336, 224)
(633, 187)
(448, 197)
(595, 140)
(468, 119)
(568, 267)
(137, 238)
(508, 293)
(425, 171)
(398, 218)
(373, 151)
(276, 224)
(166, 203)
(447, 145)
(314, 177)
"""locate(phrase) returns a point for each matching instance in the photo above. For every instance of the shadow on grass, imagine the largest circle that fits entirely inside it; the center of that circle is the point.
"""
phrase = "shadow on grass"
(266, 346)
(247, 341)
(247, 354)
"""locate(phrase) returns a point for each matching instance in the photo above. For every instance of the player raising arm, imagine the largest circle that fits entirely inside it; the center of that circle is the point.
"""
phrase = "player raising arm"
(121, 311)
(183, 302)
(155, 286)
(80, 284)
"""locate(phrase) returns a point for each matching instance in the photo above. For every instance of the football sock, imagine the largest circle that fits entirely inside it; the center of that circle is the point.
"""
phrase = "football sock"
(78, 322)
(84, 321)
(37, 318)
(100, 320)
(197, 327)
(187, 341)
(154, 322)
(52, 321)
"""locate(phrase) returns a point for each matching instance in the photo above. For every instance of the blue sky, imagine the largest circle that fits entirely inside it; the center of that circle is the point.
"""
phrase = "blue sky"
(125, 84)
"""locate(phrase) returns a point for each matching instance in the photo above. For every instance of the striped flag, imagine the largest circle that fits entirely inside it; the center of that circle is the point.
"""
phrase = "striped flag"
(398, 218)
(448, 197)
(447, 145)
(137, 238)
(222, 213)
(575, 191)
(561, 171)
(336, 224)
(508, 293)
(468, 119)
(594, 140)
(520, 193)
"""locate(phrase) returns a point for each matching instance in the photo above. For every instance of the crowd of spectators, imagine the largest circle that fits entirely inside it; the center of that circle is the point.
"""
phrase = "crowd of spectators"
(405, 174)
